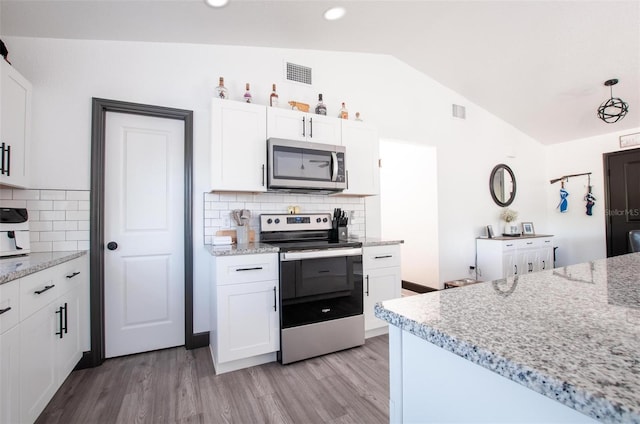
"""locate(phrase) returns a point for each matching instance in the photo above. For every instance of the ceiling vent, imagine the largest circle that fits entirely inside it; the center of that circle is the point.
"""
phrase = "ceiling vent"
(459, 111)
(298, 73)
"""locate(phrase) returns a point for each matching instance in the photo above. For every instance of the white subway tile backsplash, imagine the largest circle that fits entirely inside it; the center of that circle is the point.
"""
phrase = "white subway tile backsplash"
(26, 194)
(52, 215)
(78, 195)
(77, 215)
(67, 205)
(58, 219)
(53, 195)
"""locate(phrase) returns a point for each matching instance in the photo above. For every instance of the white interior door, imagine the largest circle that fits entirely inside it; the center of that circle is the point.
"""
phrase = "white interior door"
(144, 216)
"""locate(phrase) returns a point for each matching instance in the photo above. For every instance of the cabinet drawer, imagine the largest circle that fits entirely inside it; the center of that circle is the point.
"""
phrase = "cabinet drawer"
(381, 256)
(9, 305)
(71, 274)
(245, 268)
(36, 291)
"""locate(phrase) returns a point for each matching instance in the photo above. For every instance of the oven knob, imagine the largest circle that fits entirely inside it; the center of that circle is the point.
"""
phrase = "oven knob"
(269, 221)
(324, 219)
(277, 220)
(318, 220)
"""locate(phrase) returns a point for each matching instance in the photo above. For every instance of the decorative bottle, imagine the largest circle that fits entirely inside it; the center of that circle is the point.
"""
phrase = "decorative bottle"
(247, 93)
(344, 114)
(221, 90)
(273, 98)
(321, 109)
(358, 118)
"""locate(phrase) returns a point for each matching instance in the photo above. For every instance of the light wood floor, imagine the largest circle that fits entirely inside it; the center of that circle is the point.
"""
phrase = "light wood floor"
(179, 386)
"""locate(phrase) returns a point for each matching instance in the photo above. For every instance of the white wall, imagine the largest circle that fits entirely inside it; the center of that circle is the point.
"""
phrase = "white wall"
(67, 73)
(408, 207)
(579, 237)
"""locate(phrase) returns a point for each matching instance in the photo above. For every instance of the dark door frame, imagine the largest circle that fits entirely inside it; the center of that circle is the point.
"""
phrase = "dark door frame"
(100, 107)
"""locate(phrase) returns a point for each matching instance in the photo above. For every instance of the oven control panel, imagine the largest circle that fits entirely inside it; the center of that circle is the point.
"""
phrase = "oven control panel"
(295, 222)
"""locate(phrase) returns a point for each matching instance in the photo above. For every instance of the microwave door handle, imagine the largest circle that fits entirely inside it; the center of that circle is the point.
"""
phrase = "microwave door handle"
(334, 166)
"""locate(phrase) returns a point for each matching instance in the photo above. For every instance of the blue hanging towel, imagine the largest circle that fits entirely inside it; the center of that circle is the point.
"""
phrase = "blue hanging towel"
(563, 200)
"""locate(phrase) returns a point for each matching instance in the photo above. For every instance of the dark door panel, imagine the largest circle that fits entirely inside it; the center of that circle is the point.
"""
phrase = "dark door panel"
(622, 171)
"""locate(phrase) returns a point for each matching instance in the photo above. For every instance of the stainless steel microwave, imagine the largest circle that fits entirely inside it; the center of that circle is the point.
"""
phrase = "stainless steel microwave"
(300, 166)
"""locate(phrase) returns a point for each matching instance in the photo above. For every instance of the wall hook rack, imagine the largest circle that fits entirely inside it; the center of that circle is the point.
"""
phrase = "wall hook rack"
(566, 178)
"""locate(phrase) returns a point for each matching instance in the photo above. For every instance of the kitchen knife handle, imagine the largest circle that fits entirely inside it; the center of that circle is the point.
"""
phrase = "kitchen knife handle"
(2, 311)
(45, 289)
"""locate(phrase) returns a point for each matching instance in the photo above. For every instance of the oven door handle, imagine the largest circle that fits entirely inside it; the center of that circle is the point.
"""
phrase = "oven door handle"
(314, 254)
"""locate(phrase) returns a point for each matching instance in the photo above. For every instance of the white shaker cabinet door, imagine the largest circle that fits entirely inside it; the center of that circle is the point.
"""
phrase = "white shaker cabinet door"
(10, 376)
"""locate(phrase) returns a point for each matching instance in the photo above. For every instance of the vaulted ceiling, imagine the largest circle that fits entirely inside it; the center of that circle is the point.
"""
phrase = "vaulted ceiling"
(538, 65)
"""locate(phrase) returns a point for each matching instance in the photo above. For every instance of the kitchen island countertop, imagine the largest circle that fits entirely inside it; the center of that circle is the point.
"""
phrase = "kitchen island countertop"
(571, 334)
(14, 267)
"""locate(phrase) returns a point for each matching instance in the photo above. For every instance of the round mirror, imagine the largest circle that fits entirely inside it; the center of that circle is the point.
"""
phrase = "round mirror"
(502, 185)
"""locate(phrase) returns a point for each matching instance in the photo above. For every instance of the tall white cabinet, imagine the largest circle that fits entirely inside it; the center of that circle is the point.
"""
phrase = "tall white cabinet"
(382, 281)
(503, 257)
(15, 128)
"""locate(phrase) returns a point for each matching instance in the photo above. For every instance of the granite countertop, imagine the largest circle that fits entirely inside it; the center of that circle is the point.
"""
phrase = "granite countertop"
(572, 333)
(520, 237)
(15, 267)
(254, 248)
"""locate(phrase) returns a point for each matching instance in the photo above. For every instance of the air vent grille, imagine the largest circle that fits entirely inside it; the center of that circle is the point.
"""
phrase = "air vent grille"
(298, 73)
(459, 111)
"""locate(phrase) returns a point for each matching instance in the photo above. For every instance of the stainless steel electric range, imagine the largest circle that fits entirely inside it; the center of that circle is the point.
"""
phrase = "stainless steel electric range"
(320, 285)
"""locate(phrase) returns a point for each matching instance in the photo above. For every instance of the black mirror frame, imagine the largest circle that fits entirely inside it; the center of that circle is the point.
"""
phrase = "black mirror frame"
(513, 178)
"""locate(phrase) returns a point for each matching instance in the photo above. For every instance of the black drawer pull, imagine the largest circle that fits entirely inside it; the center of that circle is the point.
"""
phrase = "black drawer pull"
(74, 274)
(367, 292)
(249, 269)
(45, 289)
(2, 311)
(275, 299)
(383, 257)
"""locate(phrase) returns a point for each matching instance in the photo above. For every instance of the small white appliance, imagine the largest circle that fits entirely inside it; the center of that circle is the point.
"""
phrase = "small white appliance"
(14, 232)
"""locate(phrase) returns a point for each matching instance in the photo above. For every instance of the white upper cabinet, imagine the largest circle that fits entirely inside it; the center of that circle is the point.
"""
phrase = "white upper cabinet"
(301, 126)
(15, 131)
(238, 146)
(362, 158)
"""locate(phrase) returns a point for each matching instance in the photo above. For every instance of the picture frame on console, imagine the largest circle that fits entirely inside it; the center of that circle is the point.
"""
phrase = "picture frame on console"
(527, 229)
(490, 233)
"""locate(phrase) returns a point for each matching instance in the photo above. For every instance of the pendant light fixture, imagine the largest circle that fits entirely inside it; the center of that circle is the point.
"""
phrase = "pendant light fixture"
(613, 109)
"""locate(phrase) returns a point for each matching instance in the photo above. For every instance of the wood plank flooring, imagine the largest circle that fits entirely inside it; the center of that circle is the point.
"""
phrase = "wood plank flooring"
(179, 386)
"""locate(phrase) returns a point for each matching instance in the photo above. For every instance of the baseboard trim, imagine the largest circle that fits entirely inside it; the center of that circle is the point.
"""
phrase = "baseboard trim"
(199, 340)
(418, 288)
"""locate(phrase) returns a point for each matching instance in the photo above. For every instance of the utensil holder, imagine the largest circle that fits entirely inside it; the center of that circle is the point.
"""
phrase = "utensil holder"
(242, 234)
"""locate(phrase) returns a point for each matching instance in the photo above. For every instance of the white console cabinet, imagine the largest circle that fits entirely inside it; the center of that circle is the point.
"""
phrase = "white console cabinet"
(382, 281)
(503, 257)
(245, 311)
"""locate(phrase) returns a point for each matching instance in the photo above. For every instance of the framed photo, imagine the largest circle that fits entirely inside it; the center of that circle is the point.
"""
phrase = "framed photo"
(527, 229)
(490, 232)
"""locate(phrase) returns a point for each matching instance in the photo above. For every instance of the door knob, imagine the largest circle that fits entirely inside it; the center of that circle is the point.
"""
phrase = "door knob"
(112, 245)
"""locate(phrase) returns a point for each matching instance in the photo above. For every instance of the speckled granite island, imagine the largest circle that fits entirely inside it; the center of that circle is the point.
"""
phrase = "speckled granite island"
(561, 345)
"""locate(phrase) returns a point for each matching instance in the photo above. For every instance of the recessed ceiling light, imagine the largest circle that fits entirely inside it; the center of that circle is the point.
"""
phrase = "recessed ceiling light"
(216, 3)
(334, 13)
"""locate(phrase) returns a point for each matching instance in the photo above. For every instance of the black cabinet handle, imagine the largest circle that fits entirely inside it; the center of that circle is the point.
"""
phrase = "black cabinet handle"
(2, 172)
(8, 160)
(263, 175)
(2, 311)
(45, 289)
(59, 313)
(367, 277)
(74, 274)
(66, 321)
(516, 267)
(275, 299)
(304, 127)
(249, 269)
(544, 265)
(383, 257)
(311, 127)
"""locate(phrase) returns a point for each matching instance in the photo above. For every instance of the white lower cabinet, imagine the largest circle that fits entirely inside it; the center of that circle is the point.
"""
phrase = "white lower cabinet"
(382, 280)
(47, 341)
(245, 308)
(498, 258)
